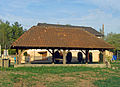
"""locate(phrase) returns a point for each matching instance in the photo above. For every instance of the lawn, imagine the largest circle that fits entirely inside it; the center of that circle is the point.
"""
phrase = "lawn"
(60, 76)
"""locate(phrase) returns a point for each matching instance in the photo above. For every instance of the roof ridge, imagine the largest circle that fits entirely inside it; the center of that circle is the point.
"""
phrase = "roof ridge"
(39, 24)
(90, 29)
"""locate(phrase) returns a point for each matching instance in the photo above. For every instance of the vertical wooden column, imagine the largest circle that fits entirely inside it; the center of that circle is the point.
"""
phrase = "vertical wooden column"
(53, 56)
(19, 55)
(34, 54)
(16, 56)
(103, 52)
(64, 56)
(87, 55)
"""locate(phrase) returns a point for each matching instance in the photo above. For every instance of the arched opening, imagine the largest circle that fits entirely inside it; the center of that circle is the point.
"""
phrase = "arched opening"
(80, 57)
(90, 57)
(57, 56)
(69, 57)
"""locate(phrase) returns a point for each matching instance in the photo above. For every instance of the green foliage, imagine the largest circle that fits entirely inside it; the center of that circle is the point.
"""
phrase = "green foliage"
(113, 39)
(12, 51)
(9, 33)
(68, 25)
(25, 54)
(112, 81)
(108, 58)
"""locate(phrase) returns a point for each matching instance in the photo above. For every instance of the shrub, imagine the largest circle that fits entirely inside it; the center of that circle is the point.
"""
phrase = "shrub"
(11, 51)
(25, 54)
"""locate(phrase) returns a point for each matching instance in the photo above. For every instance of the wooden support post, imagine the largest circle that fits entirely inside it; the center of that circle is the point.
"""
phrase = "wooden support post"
(83, 52)
(64, 56)
(19, 55)
(53, 56)
(87, 55)
(16, 56)
(103, 52)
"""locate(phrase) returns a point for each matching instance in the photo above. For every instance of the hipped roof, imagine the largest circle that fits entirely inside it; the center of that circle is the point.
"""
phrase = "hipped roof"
(58, 37)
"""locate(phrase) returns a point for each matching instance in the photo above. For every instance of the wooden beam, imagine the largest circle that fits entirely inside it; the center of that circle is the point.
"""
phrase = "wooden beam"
(64, 56)
(83, 52)
(49, 51)
(53, 56)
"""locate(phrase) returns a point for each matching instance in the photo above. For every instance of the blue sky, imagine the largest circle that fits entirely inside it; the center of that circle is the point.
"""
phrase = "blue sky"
(91, 13)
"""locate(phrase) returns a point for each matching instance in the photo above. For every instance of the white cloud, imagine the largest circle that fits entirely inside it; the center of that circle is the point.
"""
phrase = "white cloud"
(94, 18)
(97, 17)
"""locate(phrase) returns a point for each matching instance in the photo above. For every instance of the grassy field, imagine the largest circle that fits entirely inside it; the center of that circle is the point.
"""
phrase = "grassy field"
(60, 76)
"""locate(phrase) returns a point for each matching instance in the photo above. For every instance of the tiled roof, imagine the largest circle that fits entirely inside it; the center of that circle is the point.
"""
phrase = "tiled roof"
(89, 29)
(57, 37)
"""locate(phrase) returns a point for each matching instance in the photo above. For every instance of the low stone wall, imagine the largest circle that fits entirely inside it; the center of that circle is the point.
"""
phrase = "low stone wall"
(39, 65)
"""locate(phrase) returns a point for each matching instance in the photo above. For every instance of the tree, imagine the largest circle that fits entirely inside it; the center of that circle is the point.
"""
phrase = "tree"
(4, 37)
(9, 33)
(16, 31)
(113, 39)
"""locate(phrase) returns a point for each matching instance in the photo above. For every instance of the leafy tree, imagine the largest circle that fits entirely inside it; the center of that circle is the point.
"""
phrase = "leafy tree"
(16, 31)
(113, 39)
(4, 38)
(9, 33)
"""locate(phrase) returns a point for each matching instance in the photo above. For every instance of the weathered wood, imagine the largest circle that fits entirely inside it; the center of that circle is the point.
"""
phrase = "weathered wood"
(64, 56)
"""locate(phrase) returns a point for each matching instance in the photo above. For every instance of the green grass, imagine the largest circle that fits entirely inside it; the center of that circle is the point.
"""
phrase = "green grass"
(112, 81)
(59, 76)
(51, 70)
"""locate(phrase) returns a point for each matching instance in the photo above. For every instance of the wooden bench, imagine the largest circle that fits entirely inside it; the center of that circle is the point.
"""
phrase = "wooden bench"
(58, 59)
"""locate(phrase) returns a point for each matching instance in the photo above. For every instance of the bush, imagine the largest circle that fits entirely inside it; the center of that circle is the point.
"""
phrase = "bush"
(108, 58)
(11, 51)
(25, 54)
